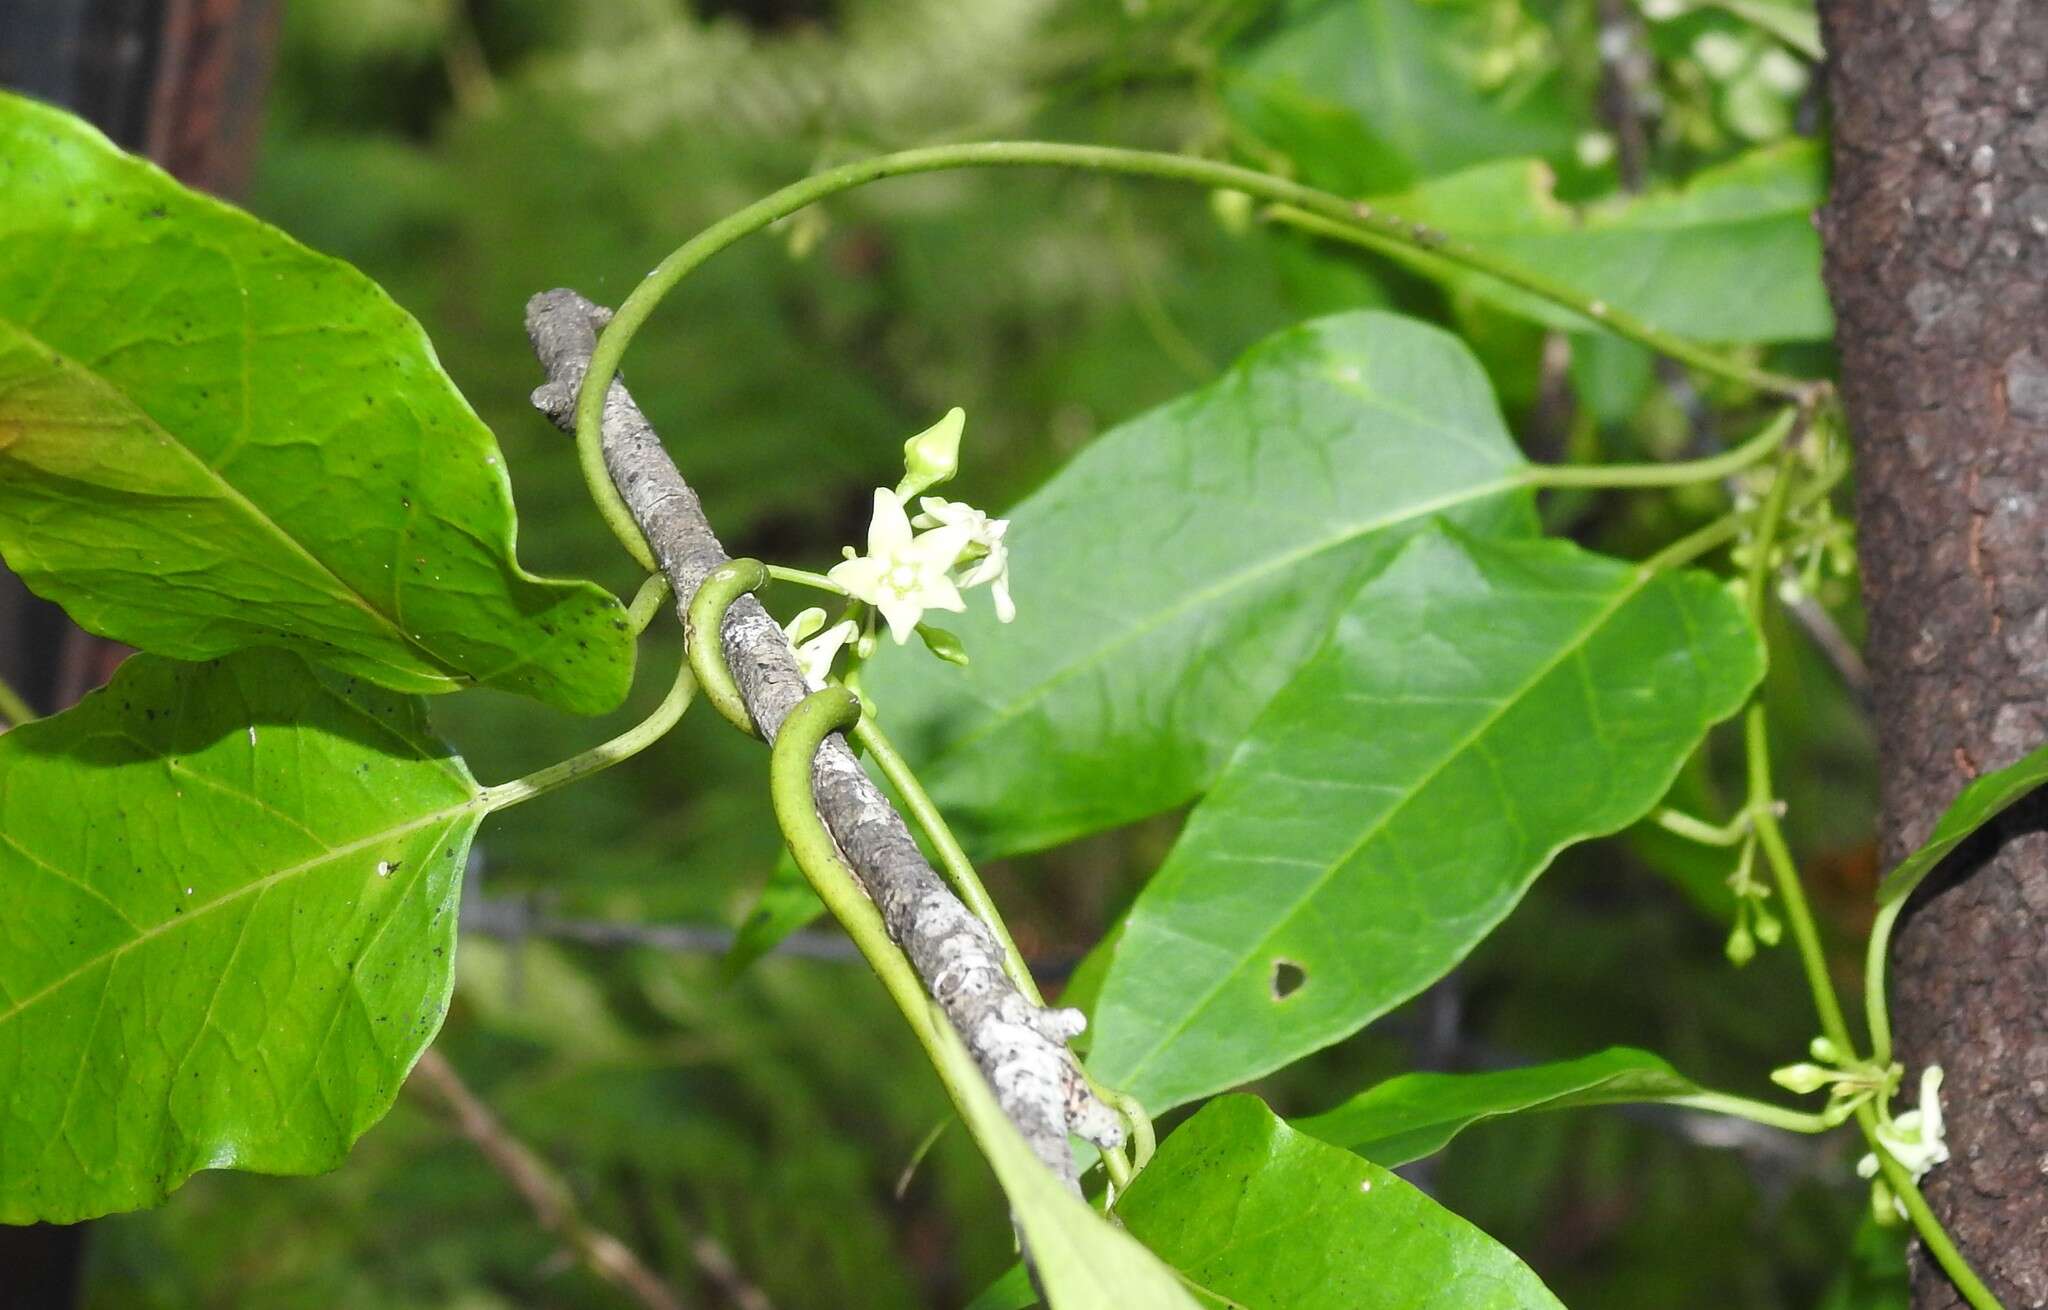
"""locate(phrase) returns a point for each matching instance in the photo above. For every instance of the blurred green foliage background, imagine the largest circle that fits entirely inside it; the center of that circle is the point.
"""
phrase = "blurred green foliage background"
(468, 153)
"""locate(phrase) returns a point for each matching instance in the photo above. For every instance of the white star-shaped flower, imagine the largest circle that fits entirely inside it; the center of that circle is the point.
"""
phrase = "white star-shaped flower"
(903, 575)
(993, 566)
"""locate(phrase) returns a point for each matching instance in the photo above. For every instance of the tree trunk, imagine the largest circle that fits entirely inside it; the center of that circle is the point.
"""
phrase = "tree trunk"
(1937, 262)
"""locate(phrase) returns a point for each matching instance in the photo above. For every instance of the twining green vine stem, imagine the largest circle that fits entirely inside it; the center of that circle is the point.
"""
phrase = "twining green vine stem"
(1342, 214)
(953, 859)
(647, 601)
(1931, 1233)
(790, 764)
(599, 758)
(702, 626)
(13, 707)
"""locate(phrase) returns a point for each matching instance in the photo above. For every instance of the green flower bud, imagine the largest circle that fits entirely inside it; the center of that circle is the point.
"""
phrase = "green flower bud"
(933, 455)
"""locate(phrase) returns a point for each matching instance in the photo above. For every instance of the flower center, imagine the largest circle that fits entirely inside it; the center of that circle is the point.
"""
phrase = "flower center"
(901, 578)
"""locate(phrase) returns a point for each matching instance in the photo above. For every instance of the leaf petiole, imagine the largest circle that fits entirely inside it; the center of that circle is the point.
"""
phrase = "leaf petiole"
(598, 758)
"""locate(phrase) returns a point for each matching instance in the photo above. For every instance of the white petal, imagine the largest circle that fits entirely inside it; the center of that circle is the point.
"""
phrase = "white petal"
(939, 593)
(804, 624)
(1006, 609)
(902, 616)
(889, 529)
(860, 576)
(938, 548)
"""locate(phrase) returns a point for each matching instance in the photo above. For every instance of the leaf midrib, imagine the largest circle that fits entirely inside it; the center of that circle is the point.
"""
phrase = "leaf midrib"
(1004, 715)
(326, 857)
(229, 491)
(1638, 579)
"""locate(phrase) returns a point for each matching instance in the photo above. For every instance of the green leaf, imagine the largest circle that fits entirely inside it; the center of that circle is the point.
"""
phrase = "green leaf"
(1731, 256)
(1479, 706)
(230, 908)
(786, 904)
(1982, 801)
(1250, 1210)
(1175, 573)
(1367, 95)
(1084, 1262)
(212, 438)
(1417, 1114)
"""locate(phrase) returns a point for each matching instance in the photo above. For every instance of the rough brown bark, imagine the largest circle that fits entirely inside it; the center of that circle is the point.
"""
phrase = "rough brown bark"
(1937, 261)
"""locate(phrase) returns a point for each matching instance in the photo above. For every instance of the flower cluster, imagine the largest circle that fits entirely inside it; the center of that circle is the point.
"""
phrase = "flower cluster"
(913, 565)
(1916, 1138)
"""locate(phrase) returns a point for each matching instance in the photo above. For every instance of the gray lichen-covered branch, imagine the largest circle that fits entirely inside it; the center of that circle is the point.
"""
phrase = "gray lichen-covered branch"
(1020, 1047)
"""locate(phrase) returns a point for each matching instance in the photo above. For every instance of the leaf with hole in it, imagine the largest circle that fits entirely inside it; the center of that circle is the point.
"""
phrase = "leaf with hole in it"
(1479, 706)
(1173, 575)
(1257, 1214)
(212, 438)
(1417, 1114)
(1979, 803)
(230, 908)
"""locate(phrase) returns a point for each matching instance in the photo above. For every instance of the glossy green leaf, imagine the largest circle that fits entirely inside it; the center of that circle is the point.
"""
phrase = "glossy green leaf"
(1982, 801)
(1250, 1210)
(1417, 1114)
(1084, 1262)
(1367, 95)
(212, 438)
(1732, 256)
(226, 935)
(1479, 706)
(1176, 572)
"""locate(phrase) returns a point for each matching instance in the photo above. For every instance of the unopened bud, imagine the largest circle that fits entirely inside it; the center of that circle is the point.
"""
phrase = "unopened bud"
(933, 455)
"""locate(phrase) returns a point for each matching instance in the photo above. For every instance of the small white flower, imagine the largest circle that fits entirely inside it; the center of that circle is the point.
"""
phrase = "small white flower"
(1917, 1139)
(904, 575)
(984, 533)
(815, 654)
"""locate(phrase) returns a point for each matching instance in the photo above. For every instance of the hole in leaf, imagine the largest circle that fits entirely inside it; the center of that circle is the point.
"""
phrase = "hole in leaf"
(1287, 979)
